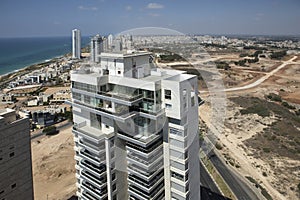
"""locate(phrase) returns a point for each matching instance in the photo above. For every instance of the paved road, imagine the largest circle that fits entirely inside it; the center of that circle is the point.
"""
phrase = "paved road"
(59, 127)
(241, 190)
(207, 194)
(208, 188)
(236, 183)
(206, 181)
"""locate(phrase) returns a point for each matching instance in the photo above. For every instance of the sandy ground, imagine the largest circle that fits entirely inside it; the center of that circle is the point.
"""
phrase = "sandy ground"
(238, 129)
(54, 166)
(52, 90)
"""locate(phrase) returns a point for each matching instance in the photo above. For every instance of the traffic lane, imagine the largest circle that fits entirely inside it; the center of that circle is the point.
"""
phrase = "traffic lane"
(241, 190)
(207, 194)
(206, 180)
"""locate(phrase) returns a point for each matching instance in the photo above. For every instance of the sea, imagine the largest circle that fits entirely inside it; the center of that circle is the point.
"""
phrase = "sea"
(17, 53)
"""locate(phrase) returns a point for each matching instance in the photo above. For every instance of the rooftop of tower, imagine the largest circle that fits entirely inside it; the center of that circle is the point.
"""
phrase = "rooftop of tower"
(154, 74)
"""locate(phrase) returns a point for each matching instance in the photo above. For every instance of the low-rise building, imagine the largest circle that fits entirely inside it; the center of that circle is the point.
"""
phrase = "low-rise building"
(61, 96)
(7, 98)
(43, 118)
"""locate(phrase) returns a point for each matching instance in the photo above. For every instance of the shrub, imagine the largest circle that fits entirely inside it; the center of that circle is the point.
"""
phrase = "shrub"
(50, 130)
(222, 65)
(274, 97)
(264, 174)
(265, 193)
(218, 146)
(287, 105)
(253, 60)
(266, 150)
(257, 53)
(252, 180)
(243, 55)
(240, 62)
(278, 55)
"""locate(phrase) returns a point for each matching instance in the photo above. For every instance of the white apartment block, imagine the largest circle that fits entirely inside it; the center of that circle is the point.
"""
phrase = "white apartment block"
(76, 44)
(135, 130)
(15, 157)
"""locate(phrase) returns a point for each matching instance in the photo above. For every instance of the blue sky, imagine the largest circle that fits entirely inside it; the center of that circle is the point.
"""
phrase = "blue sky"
(26, 18)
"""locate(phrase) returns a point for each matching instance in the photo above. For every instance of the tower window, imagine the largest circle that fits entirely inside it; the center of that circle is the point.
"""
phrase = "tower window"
(168, 106)
(193, 101)
(168, 94)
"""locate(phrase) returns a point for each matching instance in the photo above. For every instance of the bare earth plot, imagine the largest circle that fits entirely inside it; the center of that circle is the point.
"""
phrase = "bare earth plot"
(54, 166)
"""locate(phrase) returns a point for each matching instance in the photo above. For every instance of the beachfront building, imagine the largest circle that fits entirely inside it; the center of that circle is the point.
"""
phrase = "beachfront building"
(76, 44)
(15, 157)
(96, 48)
(135, 130)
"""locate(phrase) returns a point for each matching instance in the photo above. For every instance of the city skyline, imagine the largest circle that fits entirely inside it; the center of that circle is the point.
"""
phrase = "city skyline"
(56, 18)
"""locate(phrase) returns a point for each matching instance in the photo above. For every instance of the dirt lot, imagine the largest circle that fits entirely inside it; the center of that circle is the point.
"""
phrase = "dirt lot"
(52, 90)
(54, 166)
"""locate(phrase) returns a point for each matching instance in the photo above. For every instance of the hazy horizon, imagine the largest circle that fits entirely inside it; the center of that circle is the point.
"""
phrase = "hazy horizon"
(190, 34)
(35, 18)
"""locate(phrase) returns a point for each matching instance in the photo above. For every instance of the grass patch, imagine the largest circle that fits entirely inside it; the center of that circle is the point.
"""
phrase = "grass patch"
(259, 109)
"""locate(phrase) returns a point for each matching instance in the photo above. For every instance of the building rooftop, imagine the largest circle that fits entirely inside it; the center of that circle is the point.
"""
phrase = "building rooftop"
(180, 77)
(6, 111)
(123, 55)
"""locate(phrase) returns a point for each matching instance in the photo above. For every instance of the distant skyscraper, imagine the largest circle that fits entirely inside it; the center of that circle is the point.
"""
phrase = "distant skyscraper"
(76, 44)
(96, 48)
(15, 157)
(110, 40)
(117, 45)
(105, 45)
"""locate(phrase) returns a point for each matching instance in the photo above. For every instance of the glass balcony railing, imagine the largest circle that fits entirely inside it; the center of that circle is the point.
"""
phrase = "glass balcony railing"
(97, 169)
(146, 161)
(146, 183)
(144, 194)
(118, 116)
(126, 97)
(88, 176)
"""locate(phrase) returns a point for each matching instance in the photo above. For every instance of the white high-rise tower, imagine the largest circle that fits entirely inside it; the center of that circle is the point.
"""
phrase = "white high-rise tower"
(135, 130)
(76, 44)
(110, 40)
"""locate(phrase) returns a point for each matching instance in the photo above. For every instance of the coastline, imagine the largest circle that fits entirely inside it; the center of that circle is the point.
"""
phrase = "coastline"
(5, 78)
(36, 63)
(57, 47)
